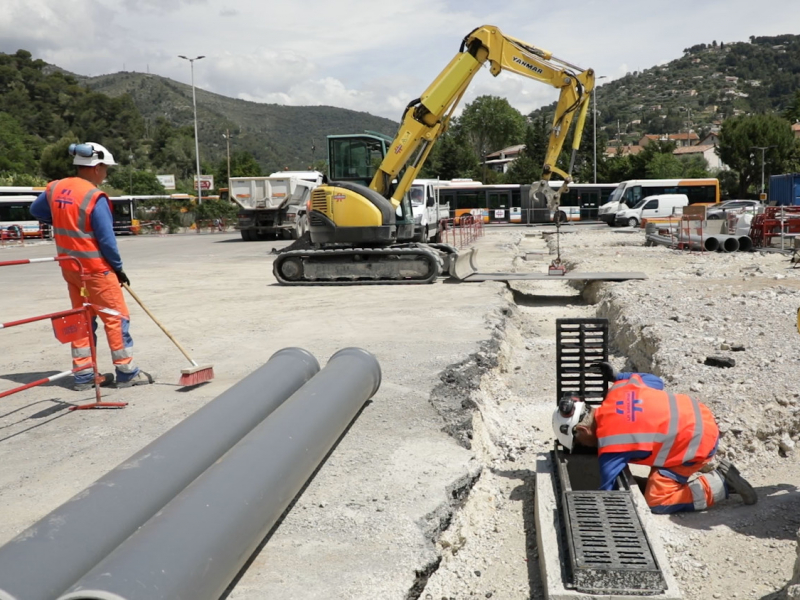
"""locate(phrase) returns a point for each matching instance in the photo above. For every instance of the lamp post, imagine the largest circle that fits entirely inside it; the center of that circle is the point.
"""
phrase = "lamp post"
(227, 136)
(130, 164)
(196, 143)
(594, 123)
(763, 151)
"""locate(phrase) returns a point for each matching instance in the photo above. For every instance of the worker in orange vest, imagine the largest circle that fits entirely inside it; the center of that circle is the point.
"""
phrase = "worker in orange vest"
(673, 434)
(83, 227)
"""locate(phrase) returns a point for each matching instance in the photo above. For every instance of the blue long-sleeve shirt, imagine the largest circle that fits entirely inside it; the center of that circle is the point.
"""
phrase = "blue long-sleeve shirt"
(613, 463)
(102, 225)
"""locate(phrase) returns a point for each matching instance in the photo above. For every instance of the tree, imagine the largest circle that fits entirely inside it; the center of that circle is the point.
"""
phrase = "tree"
(792, 113)
(740, 135)
(16, 146)
(664, 166)
(452, 157)
(243, 164)
(133, 181)
(492, 124)
(528, 166)
(56, 163)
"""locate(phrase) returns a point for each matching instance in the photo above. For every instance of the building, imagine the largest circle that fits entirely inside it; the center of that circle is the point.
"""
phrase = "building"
(707, 151)
(500, 160)
(680, 139)
(622, 150)
(796, 129)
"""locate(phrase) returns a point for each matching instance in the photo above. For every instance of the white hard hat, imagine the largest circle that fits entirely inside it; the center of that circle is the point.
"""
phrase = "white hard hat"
(569, 413)
(91, 154)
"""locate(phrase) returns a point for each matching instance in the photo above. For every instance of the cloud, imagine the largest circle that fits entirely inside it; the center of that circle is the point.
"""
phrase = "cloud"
(365, 55)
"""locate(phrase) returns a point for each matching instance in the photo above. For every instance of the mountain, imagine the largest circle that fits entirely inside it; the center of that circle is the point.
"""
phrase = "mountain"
(708, 84)
(277, 136)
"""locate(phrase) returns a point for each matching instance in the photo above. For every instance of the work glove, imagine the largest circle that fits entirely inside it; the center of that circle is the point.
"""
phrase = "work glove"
(122, 277)
(609, 374)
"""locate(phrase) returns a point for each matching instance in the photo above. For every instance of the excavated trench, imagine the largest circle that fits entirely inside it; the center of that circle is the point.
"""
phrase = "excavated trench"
(498, 403)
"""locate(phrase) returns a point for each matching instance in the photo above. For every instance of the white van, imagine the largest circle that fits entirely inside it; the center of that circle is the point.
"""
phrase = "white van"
(426, 208)
(661, 206)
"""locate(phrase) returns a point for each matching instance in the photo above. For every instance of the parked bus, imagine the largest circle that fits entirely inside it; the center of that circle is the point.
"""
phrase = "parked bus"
(16, 218)
(628, 193)
(583, 200)
(511, 203)
(16, 211)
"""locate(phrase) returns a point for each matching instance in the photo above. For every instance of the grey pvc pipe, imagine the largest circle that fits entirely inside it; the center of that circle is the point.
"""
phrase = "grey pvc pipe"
(196, 545)
(50, 556)
(709, 243)
(727, 243)
(745, 243)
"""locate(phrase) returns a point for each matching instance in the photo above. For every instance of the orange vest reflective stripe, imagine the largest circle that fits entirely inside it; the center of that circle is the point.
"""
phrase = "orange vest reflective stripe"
(674, 428)
(72, 201)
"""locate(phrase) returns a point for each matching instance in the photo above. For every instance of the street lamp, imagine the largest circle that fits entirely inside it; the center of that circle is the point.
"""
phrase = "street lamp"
(763, 151)
(130, 166)
(196, 144)
(227, 136)
(594, 122)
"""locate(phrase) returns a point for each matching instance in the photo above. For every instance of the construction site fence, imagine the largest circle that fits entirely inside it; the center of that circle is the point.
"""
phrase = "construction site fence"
(68, 326)
(460, 231)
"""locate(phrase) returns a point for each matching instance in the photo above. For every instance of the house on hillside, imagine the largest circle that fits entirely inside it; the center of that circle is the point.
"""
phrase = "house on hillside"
(707, 151)
(711, 138)
(796, 129)
(500, 160)
(622, 150)
(680, 139)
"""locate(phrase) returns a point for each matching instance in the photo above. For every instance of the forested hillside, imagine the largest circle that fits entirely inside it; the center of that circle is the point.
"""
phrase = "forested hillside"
(708, 84)
(147, 123)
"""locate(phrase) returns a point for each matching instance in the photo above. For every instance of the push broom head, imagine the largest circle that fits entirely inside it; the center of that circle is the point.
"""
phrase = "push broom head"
(196, 375)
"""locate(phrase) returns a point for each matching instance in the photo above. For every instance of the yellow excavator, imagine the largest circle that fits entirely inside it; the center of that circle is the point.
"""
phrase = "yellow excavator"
(356, 235)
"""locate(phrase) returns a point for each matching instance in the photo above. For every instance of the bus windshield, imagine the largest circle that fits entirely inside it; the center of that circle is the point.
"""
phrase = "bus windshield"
(616, 195)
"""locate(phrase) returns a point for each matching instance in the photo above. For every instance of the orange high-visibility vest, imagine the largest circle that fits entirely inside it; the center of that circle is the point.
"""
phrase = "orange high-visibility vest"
(674, 428)
(72, 201)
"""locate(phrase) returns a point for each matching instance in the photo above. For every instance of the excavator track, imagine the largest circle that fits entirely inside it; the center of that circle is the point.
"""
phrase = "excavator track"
(357, 266)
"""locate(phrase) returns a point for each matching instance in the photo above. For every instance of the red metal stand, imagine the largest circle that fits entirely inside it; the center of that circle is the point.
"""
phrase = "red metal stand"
(68, 326)
(774, 222)
(461, 231)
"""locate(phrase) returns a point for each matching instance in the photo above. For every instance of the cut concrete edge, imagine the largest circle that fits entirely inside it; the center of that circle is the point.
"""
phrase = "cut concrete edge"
(547, 540)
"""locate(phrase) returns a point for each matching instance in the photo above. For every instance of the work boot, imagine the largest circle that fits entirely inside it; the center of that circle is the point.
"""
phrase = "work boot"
(141, 378)
(108, 379)
(738, 483)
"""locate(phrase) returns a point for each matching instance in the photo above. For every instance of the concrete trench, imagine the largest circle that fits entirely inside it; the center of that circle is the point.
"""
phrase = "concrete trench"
(498, 403)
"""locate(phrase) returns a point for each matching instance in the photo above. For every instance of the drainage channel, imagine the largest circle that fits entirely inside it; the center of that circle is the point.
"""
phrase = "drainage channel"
(499, 404)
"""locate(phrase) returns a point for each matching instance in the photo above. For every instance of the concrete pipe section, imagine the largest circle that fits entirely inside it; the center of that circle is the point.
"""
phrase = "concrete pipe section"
(50, 556)
(197, 544)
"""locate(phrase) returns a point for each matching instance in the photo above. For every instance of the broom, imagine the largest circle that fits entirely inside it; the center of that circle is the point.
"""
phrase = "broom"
(194, 375)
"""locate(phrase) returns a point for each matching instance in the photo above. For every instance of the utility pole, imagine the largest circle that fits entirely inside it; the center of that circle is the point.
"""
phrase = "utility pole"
(196, 143)
(594, 121)
(227, 136)
(763, 153)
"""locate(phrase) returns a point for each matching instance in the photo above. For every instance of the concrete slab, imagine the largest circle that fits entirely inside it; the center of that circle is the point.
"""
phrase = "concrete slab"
(550, 552)
(478, 277)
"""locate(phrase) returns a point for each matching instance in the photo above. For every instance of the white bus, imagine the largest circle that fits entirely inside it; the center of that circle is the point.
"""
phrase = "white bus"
(16, 218)
(628, 193)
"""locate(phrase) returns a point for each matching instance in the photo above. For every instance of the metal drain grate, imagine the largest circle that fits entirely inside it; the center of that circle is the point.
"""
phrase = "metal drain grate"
(579, 343)
(608, 548)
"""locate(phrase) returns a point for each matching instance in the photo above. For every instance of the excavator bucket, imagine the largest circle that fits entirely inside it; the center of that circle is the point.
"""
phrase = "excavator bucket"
(464, 263)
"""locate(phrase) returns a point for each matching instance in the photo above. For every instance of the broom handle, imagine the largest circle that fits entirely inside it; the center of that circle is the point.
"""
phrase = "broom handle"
(157, 322)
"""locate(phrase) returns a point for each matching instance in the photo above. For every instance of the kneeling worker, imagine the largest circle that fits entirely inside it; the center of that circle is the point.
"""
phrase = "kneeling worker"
(83, 227)
(673, 434)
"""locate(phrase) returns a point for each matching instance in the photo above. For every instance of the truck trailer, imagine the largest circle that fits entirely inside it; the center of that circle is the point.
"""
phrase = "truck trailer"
(273, 206)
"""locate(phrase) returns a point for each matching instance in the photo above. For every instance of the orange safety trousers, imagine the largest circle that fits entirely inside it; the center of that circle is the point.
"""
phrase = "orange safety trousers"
(103, 292)
(665, 494)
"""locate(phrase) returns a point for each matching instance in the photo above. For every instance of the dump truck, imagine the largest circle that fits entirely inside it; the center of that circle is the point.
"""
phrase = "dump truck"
(273, 206)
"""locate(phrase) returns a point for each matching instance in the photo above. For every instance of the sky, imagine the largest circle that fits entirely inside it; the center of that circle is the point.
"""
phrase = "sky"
(369, 55)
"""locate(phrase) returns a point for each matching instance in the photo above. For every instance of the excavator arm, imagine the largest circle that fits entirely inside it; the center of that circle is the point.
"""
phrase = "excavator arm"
(426, 118)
